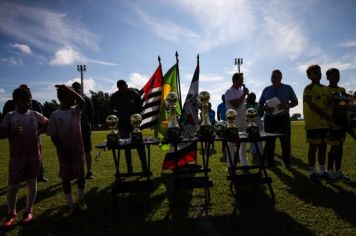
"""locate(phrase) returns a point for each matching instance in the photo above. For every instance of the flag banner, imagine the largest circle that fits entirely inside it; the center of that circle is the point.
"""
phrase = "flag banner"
(170, 85)
(186, 152)
(151, 96)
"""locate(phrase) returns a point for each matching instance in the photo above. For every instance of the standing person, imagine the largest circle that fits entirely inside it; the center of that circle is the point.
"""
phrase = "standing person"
(277, 119)
(315, 106)
(337, 134)
(124, 103)
(21, 127)
(235, 99)
(251, 103)
(65, 130)
(87, 118)
(35, 106)
(211, 114)
(221, 111)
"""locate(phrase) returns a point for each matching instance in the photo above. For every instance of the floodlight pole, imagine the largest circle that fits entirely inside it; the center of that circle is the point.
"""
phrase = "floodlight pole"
(238, 63)
(81, 69)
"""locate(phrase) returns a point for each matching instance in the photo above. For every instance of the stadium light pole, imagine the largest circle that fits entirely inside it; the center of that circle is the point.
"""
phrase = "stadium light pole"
(238, 63)
(81, 69)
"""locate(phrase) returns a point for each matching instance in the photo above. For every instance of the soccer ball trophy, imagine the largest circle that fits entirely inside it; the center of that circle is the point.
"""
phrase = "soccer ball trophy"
(206, 129)
(173, 133)
(136, 134)
(220, 127)
(231, 132)
(252, 129)
(113, 137)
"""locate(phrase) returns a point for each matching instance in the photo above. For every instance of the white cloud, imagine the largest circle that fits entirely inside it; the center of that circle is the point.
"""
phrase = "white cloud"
(66, 56)
(12, 61)
(44, 28)
(137, 80)
(2, 90)
(88, 84)
(348, 44)
(25, 49)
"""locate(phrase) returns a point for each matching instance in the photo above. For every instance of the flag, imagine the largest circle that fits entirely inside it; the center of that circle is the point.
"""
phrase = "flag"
(170, 84)
(151, 95)
(186, 152)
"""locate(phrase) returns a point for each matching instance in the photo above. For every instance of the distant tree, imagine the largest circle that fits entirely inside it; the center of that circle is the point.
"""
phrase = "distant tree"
(49, 107)
(296, 116)
(100, 102)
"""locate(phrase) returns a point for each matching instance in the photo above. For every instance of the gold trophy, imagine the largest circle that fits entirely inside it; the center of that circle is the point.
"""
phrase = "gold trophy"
(173, 133)
(113, 137)
(231, 132)
(136, 134)
(220, 127)
(206, 129)
(252, 129)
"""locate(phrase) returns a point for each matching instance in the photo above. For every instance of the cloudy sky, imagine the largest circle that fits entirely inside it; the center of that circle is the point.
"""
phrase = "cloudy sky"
(41, 42)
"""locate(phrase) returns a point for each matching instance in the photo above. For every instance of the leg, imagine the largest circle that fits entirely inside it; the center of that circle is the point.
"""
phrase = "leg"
(68, 192)
(242, 154)
(142, 155)
(285, 128)
(12, 197)
(31, 194)
(271, 142)
(321, 154)
(311, 157)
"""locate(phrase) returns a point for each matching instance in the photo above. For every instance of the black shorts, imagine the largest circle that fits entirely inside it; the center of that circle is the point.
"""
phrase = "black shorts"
(336, 136)
(87, 141)
(317, 136)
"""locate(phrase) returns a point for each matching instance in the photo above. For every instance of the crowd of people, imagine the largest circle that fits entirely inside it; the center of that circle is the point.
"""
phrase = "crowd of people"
(70, 130)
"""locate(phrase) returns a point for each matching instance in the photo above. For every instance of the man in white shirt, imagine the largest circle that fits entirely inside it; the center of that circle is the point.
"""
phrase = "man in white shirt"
(235, 99)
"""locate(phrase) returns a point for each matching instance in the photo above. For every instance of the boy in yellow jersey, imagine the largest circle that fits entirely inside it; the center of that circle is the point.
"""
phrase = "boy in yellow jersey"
(336, 133)
(315, 104)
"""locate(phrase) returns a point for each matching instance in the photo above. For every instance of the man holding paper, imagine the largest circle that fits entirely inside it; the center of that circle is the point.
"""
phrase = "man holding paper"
(275, 102)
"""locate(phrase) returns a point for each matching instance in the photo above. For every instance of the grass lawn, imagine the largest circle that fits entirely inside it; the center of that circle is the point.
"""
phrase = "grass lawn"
(300, 208)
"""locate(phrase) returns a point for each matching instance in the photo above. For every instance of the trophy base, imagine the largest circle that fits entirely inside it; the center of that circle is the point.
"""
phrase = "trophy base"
(232, 134)
(173, 135)
(206, 133)
(253, 132)
(112, 140)
(136, 138)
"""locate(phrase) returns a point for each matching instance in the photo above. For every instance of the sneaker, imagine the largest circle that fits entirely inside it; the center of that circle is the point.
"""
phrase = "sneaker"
(339, 175)
(81, 205)
(27, 217)
(68, 212)
(314, 179)
(327, 177)
(10, 221)
(42, 179)
(89, 175)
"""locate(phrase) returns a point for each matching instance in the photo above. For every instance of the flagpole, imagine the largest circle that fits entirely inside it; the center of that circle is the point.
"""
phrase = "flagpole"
(178, 79)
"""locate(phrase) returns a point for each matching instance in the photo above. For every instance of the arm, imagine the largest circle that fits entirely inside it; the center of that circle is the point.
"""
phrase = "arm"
(238, 101)
(80, 101)
(315, 108)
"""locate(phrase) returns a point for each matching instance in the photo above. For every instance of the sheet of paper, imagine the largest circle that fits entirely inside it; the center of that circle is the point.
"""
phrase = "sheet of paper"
(274, 102)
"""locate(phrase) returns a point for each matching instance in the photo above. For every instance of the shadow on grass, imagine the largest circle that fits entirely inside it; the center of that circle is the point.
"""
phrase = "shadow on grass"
(326, 195)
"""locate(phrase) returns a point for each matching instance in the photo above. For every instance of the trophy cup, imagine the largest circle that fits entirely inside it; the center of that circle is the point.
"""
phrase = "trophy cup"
(136, 134)
(206, 129)
(252, 129)
(231, 132)
(220, 127)
(113, 137)
(173, 133)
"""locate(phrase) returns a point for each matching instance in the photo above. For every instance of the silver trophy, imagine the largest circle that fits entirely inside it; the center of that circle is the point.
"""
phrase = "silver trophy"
(231, 132)
(220, 128)
(252, 129)
(206, 130)
(112, 139)
(173, 132)
(136, 134)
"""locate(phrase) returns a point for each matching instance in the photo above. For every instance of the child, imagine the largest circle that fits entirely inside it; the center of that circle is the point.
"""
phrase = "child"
(65, 131)
(336, 133)
(315, 103)
(21, 128)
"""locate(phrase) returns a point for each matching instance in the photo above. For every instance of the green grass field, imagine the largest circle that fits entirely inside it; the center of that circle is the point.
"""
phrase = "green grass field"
(300, 207)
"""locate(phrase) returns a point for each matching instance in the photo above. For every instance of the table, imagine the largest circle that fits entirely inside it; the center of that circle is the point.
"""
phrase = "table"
(261, 177)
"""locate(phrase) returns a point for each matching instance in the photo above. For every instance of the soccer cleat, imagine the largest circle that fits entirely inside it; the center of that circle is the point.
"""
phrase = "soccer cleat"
(81, 205)
(314, 179)
(89, 175)
(10, 221)
(27, 217)
(339, 175)
(68, 212)
(327, 177)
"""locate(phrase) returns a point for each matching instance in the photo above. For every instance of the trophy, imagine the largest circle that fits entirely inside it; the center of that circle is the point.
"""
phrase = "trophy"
(206, 129)
(173, 133)
(252, 129)
(136, 135)
(231, 131)
(220, 127)
(113, 137)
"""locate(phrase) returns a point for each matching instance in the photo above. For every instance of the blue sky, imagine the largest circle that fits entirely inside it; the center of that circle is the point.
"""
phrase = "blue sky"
(41, 42)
